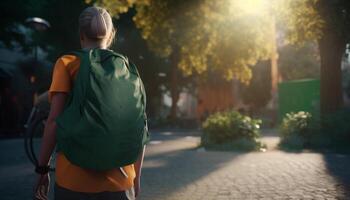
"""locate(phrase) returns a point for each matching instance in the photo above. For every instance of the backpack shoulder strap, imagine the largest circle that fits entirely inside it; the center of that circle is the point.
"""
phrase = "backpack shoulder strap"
(78, 91)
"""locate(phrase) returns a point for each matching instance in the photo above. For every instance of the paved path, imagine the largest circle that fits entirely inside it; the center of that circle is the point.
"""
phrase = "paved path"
(173, 169)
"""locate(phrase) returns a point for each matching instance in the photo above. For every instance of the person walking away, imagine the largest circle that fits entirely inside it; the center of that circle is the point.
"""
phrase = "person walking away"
(97, 119)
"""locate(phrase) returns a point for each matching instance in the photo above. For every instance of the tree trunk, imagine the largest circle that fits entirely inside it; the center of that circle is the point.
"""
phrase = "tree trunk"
(174, 84)
(332, 48)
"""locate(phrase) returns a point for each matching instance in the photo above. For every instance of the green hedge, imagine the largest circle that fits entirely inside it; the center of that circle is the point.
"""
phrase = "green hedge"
(231, 131)
(295, 129)
(302, 130)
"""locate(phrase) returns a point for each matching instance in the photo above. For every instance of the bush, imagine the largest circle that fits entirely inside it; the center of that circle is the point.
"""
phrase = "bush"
(295, 129)
(302, 130)
(231, 130)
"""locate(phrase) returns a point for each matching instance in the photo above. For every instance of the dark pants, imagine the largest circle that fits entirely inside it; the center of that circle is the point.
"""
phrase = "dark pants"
(65, 194)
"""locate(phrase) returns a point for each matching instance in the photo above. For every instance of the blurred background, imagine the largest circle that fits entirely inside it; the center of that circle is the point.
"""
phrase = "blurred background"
(196, 57)
(268, 77)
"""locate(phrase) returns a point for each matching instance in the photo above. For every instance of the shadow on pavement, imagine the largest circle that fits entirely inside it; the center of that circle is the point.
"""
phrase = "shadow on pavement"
(338, 166)
(171, 172)
(16, 172)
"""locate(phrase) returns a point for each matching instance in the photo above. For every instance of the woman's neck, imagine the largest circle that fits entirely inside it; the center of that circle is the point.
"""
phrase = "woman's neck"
(93, 45)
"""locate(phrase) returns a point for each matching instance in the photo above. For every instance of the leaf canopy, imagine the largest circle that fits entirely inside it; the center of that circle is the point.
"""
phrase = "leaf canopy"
(216, 34)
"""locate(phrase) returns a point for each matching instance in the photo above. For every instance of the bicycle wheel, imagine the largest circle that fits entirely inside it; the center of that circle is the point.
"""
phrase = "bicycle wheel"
(31, 143)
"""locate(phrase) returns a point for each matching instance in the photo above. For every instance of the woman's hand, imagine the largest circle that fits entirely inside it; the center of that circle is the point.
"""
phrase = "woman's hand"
(137, 186)
(42, 187)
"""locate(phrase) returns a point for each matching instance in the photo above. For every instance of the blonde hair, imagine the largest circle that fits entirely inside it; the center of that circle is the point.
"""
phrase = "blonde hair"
(96, 24)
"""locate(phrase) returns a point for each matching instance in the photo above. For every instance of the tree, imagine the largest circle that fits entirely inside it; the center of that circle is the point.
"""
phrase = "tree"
(328, 23)
(195, 34)
(61, 37)
(13, 12)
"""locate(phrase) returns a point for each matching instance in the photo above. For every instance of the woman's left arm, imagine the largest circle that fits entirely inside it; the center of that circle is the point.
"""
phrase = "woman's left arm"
(49, 142)
(49, 137)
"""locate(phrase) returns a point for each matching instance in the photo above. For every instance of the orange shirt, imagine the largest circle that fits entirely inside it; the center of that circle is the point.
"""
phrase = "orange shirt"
(73, 177)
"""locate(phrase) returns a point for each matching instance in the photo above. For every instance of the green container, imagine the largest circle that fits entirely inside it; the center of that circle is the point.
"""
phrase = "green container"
(299, 95)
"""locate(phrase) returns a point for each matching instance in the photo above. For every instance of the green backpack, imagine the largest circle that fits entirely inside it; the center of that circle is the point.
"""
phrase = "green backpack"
(104, 123)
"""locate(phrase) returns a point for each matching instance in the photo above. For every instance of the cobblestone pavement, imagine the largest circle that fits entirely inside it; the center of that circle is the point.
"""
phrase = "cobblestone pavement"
(174, 169)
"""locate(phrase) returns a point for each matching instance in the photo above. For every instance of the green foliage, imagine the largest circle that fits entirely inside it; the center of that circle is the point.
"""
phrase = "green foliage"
(204, 33)
(301, 130)
(117, 7)
(13, 12)
(231, 130)
(301, 21)
(295, 128)
(326, 22)
(61, 37)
